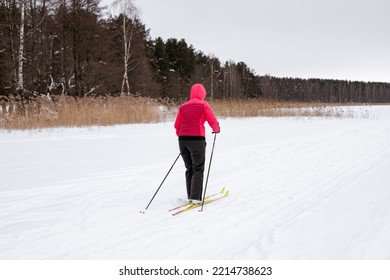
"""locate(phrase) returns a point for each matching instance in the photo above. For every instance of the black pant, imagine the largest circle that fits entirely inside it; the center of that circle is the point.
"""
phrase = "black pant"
(193, 153)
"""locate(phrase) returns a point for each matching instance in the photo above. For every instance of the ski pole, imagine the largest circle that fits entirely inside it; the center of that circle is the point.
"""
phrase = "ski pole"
(143, 212)
(208, 172)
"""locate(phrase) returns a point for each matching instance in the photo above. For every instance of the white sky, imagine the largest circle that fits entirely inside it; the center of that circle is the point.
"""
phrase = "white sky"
(337, 39)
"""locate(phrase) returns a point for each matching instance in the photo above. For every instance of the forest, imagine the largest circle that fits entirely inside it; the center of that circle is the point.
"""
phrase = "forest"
(77, 48)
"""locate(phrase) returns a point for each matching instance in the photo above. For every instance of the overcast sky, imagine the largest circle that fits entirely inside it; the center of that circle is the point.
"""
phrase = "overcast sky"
(338, 39)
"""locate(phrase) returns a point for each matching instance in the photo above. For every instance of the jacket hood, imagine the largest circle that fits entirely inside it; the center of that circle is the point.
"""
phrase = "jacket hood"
(198, 92)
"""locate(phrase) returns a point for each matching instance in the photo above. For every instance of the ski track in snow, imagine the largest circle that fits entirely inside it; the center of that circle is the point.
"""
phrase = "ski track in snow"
(299, 188)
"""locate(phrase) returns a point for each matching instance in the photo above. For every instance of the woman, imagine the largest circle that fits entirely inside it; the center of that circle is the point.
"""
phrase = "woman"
(190, 129)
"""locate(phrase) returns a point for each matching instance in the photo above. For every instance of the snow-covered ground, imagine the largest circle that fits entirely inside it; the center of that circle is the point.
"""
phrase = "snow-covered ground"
(300, 188)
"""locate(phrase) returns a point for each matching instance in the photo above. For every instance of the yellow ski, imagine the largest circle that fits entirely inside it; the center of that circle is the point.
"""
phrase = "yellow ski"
(207, 201)
(190, 203)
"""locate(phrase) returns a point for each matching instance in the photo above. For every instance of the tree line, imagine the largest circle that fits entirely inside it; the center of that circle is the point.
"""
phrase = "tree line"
(74, 48)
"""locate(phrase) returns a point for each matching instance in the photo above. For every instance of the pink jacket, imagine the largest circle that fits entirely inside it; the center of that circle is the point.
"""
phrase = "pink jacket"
(193, 114)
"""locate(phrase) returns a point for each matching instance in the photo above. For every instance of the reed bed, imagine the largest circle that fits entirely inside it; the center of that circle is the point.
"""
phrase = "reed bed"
(271, 108)
(72, 112)
(65, 111)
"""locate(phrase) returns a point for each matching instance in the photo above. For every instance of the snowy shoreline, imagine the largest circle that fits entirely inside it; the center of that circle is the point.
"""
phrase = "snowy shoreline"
(300, 188)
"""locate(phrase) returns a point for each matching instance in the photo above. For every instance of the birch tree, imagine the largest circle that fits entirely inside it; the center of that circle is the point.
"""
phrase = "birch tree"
(20, 84)
(232, 76)
(212, 61)
(129, 13)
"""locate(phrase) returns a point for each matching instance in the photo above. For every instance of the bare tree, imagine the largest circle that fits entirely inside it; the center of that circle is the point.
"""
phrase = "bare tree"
(231, 80)
(20, 84)
(129, 16)
(212, 62)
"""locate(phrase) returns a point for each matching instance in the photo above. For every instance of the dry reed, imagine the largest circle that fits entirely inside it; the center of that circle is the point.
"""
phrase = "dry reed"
(67, 111)
(271, 108)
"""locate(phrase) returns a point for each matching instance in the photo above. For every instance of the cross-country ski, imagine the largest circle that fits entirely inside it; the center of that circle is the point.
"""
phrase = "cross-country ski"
(189, 206)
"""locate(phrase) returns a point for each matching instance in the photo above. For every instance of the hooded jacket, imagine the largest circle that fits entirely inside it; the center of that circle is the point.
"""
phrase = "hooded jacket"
(193, 114)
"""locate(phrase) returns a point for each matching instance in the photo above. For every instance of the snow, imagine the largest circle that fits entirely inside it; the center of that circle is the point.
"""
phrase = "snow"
(299, 188)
